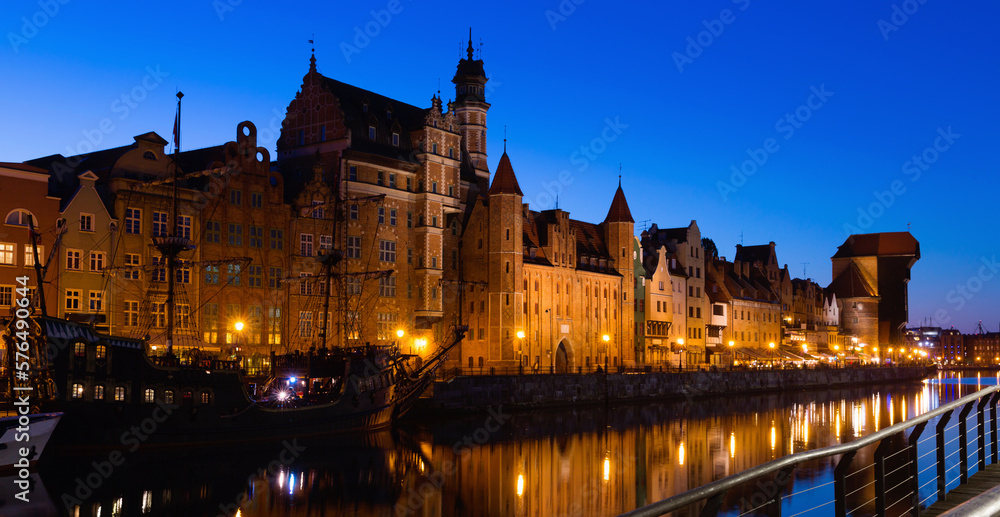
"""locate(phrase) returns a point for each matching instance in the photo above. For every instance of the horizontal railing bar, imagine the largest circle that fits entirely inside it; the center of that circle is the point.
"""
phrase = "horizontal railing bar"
(928, 498)
(949, 442)
(810, 488)
(899, 485)
(925, 440)
(928, 453)
(932, 465)
(904, 449)
(927, 483)
(860, 470)
(703, 492)
(811, 509)
(754, 509)
(860, 488)
(905, 497)
(862, 505)
(897, 470)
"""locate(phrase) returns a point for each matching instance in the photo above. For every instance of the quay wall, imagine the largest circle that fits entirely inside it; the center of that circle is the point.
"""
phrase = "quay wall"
(472, 393)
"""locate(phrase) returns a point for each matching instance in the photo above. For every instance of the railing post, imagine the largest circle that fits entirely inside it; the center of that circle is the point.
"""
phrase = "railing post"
(993, 424)
(839, 486)
(981, 420)
(880, 453)
(914, 470)
(963, 441)
(941, 471)
(781, 479)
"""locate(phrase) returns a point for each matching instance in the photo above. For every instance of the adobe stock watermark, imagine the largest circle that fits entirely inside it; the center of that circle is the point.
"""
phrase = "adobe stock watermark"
(289, 453)
(786, 127)
(123, 106)
(463, 448)
(912, 168)
(30, 27)
(713, 29)
(564, 10)
(103, 469)
(364, 36)
(899, 16)
(582, 158)
(966, 291)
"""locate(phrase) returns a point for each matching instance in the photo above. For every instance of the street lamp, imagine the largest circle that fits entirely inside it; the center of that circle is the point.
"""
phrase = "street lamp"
(680, 353)
(239, 330)
(732, 354)
(771, 344)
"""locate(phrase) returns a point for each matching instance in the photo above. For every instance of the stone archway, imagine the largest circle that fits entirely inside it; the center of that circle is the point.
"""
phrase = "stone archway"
(563, 359)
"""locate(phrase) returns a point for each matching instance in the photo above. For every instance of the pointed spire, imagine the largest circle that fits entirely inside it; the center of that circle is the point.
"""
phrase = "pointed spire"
(619, 212)
(470, 50)
(504, 181)
(312, 57)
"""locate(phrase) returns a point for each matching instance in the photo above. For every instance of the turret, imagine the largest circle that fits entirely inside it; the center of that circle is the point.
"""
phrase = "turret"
(470, 109)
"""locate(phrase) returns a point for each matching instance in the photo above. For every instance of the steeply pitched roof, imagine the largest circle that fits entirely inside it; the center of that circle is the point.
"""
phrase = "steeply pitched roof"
(759, 254)
(850, 283)
(504, 181)
(619, 212)
(879, 244)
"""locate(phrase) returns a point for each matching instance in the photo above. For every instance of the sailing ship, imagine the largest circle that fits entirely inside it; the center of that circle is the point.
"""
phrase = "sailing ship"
(115, 390)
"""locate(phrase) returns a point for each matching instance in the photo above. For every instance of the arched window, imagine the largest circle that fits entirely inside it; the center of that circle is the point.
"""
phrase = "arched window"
(18, 217)
(149, 155)
(149, 395)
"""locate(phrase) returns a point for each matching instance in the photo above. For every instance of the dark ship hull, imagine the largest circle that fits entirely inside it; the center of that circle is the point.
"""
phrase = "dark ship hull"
(113, 394)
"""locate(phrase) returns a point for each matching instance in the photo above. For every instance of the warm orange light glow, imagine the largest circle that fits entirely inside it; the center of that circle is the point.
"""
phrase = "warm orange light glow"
(607, 469)
(238, 326)
(520, 485)
(400, 333)
(520, 334)
(606, 338)
(771, 344)
(680, 454)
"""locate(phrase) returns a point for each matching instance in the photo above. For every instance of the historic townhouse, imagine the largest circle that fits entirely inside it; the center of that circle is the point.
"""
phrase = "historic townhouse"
(687, 258)
(23, 195)
(88, 232)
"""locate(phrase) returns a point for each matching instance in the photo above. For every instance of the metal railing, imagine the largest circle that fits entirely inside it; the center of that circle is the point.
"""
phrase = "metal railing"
(895, 482)
(986, 504)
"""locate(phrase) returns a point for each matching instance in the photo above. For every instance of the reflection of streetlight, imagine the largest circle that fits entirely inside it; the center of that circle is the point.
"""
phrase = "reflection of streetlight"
(520, 345)
(606, 338)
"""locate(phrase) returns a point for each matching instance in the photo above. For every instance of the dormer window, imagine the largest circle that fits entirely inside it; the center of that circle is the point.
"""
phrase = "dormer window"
(371, 132)
(149, 155)
(395, 139)
(364, 107)
(388, 114)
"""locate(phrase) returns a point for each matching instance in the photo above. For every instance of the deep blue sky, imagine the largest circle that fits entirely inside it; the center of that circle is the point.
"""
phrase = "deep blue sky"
(558, 79)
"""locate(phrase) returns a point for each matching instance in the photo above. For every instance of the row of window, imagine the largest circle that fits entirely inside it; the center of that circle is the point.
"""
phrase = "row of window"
(78, 391)
(8, 254)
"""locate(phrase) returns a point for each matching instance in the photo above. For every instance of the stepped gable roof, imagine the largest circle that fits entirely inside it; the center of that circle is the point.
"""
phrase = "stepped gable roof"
(504, 181)
(879, 244)
(851, 284)
(619, 212)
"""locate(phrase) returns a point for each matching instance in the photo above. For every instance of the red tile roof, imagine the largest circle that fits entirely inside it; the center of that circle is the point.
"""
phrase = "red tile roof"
(619, 212)
(504, 181)
(879, 244)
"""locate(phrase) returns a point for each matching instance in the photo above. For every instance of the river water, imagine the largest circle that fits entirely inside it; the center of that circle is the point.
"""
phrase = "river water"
(594, 461)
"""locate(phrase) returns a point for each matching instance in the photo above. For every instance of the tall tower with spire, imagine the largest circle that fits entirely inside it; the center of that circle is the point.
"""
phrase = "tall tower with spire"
(618, 229)
(505, 263)
(470, 108)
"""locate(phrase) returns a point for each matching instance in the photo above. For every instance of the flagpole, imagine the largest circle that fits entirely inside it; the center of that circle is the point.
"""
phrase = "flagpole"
(172, 252)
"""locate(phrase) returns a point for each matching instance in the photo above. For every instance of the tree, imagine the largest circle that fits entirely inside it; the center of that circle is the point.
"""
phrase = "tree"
(710, 249)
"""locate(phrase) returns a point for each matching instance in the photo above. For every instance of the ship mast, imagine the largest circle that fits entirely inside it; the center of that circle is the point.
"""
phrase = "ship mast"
(174, 244)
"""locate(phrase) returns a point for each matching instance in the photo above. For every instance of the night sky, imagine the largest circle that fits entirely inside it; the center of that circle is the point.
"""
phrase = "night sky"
(839, 117)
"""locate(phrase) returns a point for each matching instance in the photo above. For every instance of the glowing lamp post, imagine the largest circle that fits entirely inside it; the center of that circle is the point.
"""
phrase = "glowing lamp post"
(771, 345)
(680, 353)
(732, 354)
(239, 331)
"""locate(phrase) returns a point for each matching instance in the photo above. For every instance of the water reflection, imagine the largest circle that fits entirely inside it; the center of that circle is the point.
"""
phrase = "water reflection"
(575, 462)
